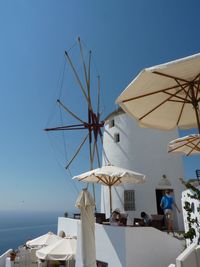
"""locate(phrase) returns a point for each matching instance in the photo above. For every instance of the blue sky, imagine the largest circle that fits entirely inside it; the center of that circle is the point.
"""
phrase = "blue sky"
(124, 36)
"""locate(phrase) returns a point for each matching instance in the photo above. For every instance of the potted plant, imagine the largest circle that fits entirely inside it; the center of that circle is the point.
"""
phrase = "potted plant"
(13, 254)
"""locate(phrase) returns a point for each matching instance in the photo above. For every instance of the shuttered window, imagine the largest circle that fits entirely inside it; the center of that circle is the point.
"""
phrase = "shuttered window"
(129, 200)
(116, 138)
(111, 123)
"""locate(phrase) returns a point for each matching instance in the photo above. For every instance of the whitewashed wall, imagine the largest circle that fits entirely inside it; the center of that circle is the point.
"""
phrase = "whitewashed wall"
(135, 246)
(3, 258)
(142, 150)
(128, 246)
(68, 226)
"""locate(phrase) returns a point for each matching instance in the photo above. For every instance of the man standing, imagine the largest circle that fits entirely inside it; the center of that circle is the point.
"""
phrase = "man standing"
(167, 203)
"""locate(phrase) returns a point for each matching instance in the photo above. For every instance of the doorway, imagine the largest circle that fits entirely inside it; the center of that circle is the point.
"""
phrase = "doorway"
(159, 195)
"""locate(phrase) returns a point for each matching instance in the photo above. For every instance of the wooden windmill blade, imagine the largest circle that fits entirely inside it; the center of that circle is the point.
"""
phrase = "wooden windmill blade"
(91, 123)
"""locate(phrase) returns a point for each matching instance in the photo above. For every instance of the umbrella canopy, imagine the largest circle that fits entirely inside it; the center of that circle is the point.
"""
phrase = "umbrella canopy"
(44, 240)
(188, 145)
(62, 250)
(165, 96)
(86, 204)
(111, 176)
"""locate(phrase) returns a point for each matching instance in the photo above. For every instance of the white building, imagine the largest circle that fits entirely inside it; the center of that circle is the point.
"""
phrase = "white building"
(143, 150)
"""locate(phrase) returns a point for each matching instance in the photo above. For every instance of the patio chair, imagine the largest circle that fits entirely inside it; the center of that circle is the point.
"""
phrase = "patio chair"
(100, 217)
(138, 222)
(77, 216)
(157, 221)
(123, 219)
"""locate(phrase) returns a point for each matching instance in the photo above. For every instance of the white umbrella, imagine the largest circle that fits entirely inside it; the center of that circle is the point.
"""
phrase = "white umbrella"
(86, 204)
(189, 145)
(165, 96)
(111, 176)
(62, 250)
(44, 240)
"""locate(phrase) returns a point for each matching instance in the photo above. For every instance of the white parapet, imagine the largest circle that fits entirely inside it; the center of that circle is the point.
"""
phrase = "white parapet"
(3, 258)
(68, 226)
(128, 246)
(190, 257)
(135, 246)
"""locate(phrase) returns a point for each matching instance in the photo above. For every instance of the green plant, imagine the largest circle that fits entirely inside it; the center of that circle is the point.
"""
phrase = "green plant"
(189, 208)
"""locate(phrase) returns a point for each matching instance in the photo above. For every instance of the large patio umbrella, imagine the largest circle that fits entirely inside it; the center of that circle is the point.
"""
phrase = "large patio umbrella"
(62, 250)
(188, 145)
(111, 176)
(165, 96)
(86, 204)
(44, 240)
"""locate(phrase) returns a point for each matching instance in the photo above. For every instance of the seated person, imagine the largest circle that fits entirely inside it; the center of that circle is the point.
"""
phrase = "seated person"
(123, 219)
(115, 218)
(146, 218)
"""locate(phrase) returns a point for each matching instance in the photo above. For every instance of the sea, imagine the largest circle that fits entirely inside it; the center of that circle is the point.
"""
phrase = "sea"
(17, 227)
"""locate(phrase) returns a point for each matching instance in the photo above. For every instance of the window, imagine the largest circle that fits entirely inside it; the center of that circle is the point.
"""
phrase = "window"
(116, 138)
(102, 264)
(111, 123)
(129, 200)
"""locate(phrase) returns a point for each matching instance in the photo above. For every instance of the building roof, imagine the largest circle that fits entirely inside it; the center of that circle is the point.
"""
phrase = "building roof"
(116, 112)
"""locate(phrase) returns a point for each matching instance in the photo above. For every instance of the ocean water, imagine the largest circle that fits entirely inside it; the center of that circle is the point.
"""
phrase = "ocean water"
(18, 227)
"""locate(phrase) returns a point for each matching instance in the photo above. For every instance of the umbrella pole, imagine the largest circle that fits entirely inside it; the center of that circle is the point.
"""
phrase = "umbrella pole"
(197, 116)
(110, 195)
(195, 105)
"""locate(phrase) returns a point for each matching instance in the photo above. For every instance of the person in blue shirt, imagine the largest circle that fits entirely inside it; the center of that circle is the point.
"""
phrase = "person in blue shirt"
(167, 203)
